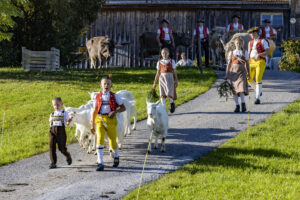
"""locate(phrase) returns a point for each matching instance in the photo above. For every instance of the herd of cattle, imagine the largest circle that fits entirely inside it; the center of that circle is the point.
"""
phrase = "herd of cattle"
(102, 47)
(157, 121)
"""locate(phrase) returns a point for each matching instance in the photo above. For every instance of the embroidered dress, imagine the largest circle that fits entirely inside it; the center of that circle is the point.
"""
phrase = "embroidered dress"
(237, 73)
(166, 78)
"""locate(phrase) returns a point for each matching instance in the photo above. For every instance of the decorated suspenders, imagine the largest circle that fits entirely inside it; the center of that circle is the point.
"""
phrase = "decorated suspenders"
(57, 120)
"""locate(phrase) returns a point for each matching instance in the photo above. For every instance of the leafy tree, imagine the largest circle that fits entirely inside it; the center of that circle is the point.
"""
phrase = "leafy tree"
(7, 11)
(53, 23)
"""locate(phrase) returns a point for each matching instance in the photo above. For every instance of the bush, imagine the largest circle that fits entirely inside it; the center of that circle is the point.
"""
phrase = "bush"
(290, 60)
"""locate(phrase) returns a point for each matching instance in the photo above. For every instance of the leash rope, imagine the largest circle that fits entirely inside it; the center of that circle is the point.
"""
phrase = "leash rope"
(137, 197)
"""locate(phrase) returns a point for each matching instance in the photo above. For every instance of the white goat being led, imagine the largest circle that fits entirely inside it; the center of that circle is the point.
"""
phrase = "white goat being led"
(157, 123)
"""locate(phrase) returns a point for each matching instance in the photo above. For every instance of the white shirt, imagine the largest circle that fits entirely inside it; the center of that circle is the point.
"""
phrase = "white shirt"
(167, 34)
(201, 32)
(254, 50)
(105, 107)
(238, 53)
(187, 62)
(59, 113)
(165, 62)
(235, 26)
(267, 30)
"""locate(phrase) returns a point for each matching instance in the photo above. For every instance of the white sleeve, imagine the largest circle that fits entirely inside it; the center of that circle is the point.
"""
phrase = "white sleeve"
(158, 31)
(50, 119)
(207, 31)
(157, 66)
(194, 32)
(242, 27)
(118, 99)
(265, 44)
(173, 64)
(229, 56)
(274, 31)
(66, 116)
(178, 63)
(246, 55)
(228, 27)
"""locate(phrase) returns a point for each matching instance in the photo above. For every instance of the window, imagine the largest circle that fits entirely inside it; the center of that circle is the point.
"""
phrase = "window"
(275, 18)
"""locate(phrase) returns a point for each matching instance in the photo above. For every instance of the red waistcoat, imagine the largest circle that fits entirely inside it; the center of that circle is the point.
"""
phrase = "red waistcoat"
(166, 68)
(162, 33)
(259, 47)
(263, 32)
(204, 32)
(231, 27)
(112, 101)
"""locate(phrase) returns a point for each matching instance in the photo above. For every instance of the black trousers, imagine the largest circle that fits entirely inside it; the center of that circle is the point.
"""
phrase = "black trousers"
(168, 44)
(204, 50)
(57, 135)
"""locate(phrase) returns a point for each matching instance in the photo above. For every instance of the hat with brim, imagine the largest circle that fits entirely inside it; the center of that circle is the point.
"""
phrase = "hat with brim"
(254, 29)
(200, 21)
(235, 16)
(164, 21)
(267, 21)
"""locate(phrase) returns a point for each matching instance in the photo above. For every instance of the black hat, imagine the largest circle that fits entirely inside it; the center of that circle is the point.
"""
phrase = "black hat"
(200, 20)
(164, 20)
(267, 21)
(235, 16)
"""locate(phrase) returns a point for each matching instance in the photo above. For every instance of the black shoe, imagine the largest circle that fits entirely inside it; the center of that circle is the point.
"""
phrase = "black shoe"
(244, 109)
(260, 93)
(172, 107)
(69, 160)
(116, 162)
(257, 101)
(237, 109)
(100, 167)
(52, 166)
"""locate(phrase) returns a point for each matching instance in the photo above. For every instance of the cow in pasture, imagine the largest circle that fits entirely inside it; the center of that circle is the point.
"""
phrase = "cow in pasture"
(100, 48)
(149, 46)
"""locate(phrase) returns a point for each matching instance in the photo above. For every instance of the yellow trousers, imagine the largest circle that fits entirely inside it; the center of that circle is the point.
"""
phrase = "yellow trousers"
(257, 68)
(110, 127)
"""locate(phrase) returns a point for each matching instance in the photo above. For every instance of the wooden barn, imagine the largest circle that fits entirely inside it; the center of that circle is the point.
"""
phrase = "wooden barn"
(125, 21)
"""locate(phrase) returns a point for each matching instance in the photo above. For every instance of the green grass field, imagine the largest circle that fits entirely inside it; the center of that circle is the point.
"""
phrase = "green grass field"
(29, 96)
(260, 163)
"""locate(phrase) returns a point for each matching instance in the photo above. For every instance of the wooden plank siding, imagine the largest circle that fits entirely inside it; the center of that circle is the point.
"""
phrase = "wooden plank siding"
(126, 25)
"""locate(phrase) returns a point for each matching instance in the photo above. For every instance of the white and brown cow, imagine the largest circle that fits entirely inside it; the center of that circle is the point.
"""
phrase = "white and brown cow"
(101, 48)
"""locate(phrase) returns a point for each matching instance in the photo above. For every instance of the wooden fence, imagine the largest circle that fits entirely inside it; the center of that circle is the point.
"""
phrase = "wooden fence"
(40, 60)
(126, 25)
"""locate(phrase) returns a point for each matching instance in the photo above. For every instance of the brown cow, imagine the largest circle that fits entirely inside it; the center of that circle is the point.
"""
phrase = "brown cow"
(149, 46)
(101, 48)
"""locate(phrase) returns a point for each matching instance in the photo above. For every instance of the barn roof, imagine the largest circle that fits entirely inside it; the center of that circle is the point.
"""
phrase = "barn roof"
(232, 4)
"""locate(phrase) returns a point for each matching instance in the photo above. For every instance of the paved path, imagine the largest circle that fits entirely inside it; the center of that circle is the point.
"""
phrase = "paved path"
(195, 129)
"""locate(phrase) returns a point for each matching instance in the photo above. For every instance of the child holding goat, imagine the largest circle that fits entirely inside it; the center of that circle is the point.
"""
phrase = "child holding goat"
(106, 107)
(167, 76)
(237, 72)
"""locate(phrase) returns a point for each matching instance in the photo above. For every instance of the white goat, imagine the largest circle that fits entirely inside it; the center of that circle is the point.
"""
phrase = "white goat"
(157, 123)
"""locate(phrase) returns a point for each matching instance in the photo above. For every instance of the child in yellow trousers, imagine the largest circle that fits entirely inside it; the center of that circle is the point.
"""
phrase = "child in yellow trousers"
(106, 107)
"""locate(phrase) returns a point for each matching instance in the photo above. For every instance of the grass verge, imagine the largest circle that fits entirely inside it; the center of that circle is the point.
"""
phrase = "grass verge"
(260, 163)
(29, 96)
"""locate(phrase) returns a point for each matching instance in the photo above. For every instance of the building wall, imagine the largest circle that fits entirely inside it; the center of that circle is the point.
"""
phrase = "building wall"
(126, 25)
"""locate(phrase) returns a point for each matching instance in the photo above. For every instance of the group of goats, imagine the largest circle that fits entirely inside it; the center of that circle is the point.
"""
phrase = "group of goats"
(157, 121)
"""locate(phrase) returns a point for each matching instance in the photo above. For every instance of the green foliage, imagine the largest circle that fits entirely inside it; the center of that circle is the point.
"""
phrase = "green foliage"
(29, 96)
(7, 12)
(260, 163)
(152, 96)
(51, 23)
(225, 90)
(290, 60)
